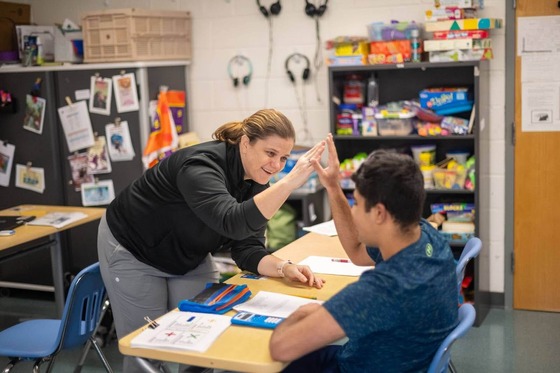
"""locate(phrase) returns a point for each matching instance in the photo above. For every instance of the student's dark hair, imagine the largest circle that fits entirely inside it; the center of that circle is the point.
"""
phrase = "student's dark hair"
(394, 180)
(262, 124)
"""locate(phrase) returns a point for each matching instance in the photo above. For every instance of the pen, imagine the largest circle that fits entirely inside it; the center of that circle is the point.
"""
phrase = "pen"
(340, 260)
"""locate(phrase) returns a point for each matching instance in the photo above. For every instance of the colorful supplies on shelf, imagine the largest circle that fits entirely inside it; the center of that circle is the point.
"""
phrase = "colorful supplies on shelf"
(216, 298)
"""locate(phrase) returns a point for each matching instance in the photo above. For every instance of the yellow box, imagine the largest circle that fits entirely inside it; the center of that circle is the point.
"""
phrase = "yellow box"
(136, 35)
(352, 49)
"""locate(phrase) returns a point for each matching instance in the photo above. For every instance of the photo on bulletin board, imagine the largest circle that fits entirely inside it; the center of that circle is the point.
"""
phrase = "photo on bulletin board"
(98, 158)
(79, 167)
(34, 114)
(6, 159)
(126, 95)
(100, 95)
(30, 178)
(98, 193)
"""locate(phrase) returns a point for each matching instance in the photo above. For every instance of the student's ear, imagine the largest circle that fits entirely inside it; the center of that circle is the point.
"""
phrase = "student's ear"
(380, 213)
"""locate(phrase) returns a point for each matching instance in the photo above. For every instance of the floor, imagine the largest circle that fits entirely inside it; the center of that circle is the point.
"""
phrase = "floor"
(507, 341)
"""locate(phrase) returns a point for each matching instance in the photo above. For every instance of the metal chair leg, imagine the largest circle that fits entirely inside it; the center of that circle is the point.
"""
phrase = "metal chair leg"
(452, 367)
(101, 355)
(11, 364)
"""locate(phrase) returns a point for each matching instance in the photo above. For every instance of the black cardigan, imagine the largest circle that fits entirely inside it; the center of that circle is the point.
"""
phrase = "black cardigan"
(190, 204)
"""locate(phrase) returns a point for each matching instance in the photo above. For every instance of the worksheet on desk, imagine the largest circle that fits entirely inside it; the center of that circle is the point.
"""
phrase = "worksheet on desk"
(273, 304)
(333, 266)
(184, 331)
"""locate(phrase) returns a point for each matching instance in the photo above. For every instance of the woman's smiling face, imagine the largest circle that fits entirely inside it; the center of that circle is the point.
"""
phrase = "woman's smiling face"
(263, 158)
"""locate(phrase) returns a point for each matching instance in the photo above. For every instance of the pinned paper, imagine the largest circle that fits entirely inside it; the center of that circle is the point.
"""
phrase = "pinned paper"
(6, 159)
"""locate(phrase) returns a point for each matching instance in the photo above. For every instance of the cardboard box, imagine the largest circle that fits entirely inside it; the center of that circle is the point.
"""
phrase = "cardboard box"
(464, 24)
(12, 14)
(451, 44)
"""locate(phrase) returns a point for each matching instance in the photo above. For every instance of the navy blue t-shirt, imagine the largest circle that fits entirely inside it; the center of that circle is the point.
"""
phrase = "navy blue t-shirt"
(396, 315)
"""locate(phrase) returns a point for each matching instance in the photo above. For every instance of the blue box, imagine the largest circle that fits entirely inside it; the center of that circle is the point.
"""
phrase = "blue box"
(444, 98)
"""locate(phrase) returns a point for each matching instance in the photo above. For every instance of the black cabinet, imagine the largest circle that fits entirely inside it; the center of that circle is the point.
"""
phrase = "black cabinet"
(404, 82)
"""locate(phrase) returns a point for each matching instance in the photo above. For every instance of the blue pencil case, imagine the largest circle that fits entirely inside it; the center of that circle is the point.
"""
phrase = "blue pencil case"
(216, 298)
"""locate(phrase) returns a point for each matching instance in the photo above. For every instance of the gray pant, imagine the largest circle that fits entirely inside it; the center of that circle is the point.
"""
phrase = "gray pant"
(137, 290)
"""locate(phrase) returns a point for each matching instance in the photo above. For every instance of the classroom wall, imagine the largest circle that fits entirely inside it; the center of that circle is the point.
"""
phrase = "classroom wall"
(224, 28)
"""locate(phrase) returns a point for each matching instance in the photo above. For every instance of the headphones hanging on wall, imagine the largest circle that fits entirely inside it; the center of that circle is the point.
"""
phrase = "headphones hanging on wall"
(275, 8)
(296, 57)
(312, 11)
(240, 60)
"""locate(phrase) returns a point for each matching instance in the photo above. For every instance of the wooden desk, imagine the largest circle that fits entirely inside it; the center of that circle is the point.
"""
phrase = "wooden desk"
(32, 237)
(246, 349)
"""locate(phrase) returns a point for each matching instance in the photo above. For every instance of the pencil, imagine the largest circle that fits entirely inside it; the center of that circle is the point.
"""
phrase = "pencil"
(303, 296)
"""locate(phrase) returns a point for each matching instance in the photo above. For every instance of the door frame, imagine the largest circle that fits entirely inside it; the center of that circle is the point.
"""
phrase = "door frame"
(509, 154)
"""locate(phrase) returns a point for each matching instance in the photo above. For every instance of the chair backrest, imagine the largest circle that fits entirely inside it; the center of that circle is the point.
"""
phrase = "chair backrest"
(82, 308)
(440, 361)
(470, 251)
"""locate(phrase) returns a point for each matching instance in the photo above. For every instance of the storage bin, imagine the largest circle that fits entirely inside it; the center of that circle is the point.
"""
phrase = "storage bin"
(395, 124)
(449, 179)
(136, 35)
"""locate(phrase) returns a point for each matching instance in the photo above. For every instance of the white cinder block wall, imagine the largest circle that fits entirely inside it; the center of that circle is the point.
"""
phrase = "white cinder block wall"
(224, 28)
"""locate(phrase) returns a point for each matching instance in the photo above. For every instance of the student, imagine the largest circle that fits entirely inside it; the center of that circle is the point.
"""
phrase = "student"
(396, 315)
(155, 241)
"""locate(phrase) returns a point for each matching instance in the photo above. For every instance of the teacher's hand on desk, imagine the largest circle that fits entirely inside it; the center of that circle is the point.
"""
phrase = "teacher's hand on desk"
(302, 273)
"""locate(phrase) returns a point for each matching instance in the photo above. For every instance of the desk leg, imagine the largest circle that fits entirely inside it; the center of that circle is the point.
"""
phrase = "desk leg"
(58, 274)
(147, 366)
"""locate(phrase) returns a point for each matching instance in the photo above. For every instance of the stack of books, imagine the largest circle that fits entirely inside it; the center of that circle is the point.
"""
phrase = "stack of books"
(457, 33)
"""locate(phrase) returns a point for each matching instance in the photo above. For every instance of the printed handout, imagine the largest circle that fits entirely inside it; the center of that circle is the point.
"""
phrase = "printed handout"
(119, 143)
(77, 126)
(6, 159)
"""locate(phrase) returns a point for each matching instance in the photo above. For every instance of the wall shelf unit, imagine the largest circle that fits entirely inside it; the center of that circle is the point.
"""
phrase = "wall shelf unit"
(404, 82)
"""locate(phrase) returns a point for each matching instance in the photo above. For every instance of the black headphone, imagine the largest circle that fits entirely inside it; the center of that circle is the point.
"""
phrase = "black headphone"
(275, 8)
(306, 71)
(312, 11)
(239, 59)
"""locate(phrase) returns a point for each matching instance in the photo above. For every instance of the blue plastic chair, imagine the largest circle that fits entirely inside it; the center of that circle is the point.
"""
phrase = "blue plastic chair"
(470, 251)
(42, 340)
(442, 359)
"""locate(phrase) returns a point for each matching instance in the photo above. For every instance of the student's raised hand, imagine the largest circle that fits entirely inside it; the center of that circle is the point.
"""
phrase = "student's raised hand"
(329, 175)
(304, 166)
(304, 274)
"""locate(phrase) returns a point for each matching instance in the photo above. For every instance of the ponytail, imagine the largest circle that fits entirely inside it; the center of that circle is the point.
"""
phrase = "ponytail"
(260, 125)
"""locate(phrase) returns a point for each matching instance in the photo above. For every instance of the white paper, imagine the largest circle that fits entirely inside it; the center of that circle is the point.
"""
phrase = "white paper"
(6, 159)
(538, 35)
(81, 94)
(126, 95)
(31, 178)
(58, 219)
(119, 143)
(77, 126)
(540, 107)
(326, 229)
(334, 266)
(100, 95)
(184, 331)
(273, 304)
(97, 193)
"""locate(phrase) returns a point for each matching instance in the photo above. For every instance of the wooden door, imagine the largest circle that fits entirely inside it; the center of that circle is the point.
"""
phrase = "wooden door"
(537, 197)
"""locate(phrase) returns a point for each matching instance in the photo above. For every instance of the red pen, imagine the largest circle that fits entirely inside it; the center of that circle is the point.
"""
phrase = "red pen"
(340, 260)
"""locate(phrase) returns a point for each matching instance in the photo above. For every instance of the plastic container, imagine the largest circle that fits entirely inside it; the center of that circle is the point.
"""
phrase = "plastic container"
(136, 34)
(395, 124)
(372, 92)
(424, 155)
(354, 90)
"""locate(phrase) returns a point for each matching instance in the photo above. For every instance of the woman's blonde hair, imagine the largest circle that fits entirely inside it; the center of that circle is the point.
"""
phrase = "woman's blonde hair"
(262, 124)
